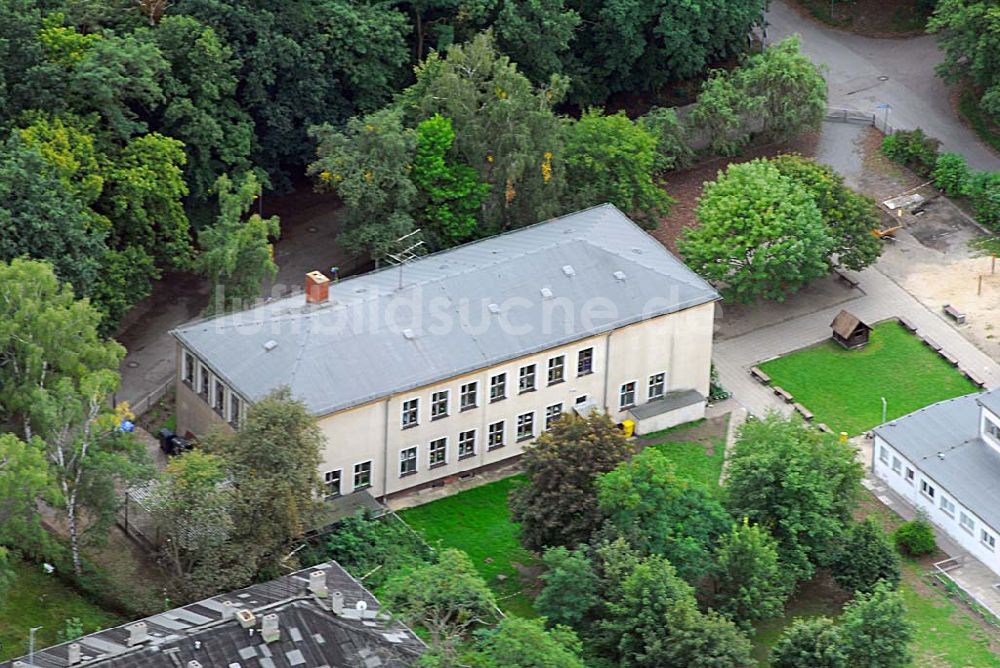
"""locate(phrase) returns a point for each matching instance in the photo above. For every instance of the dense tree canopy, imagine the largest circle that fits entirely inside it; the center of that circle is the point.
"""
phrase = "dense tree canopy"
(970, 37)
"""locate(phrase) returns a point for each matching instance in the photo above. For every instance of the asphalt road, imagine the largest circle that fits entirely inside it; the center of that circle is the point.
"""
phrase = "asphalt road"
(865, 72)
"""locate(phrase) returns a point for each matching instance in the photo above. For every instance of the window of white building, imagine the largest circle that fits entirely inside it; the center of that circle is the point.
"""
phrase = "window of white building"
(466, 444)
(966, 522)
(438, 452)
(947, 506)
(408, 461)
(988, 539)
(411, 413)
(657, 386)
(469, 396)
(331, 484)
(927, 489)
(525, 426)
(883, 454)
(526, 378)
(363, 475)
(552, 413)
(494, 438)
(439, 405)
(626, 397)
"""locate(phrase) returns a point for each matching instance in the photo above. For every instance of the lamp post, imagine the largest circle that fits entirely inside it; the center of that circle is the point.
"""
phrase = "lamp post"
(884, 406)
(31, 644)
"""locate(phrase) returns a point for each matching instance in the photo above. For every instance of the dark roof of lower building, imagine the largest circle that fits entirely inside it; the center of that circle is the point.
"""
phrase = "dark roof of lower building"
(311, 634)
(450, 313)
(943, 441)
(671, 401)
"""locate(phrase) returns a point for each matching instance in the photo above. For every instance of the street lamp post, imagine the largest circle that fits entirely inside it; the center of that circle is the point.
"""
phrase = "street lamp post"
(31, 644)
(884, 407)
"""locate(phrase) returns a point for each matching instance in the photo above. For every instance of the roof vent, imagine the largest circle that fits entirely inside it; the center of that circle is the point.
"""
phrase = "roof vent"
(73, 654)
(494, 308)
(246, 619)
(620, 275)
(194, 664)
(337, 603)
(269, 629)
(361, 605)
(270, 345)
(546, 293)
(569, 270)
(408, 334)
(637, 251)
(941, 455)
(137, 633)
(317, 584)
(228, 611)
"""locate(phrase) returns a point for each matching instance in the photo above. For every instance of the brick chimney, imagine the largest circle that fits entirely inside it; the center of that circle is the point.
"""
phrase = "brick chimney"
(317, 287)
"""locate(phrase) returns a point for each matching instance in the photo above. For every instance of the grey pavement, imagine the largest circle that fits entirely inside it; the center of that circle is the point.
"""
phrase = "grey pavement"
(864, 72)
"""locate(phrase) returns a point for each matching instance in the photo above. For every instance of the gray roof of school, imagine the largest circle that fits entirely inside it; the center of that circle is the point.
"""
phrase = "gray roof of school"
(312, 636)
(457, 311)
(991, 400)
(969, 470)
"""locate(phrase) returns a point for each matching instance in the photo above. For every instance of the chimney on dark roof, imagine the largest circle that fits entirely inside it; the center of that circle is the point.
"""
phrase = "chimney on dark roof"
(317, 287)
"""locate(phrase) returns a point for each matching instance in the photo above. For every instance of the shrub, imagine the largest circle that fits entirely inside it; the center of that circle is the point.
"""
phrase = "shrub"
(912, 148)
(951, 174)
(915, 537)
(865, 558)
(984, 190)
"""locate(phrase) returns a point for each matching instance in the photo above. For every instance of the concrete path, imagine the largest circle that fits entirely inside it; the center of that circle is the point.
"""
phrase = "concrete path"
(864, 72)
(878, 298)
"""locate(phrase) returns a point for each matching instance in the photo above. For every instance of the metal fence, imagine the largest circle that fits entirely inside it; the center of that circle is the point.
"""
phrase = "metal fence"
(941, 572)
(147, 402)
(877, 121)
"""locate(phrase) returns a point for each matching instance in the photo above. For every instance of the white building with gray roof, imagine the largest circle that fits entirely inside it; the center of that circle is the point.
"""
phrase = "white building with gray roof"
(945, 460)
(450, 364)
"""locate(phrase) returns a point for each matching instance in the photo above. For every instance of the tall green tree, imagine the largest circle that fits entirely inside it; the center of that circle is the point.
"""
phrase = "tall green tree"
(237, 255)
(658, 512)
(537, 34)
(748, 580)
(504, 128)
(525, 643)
(369, 164)
(875, 630)
(24, 479)
(558, 504)
(812, 642)
(798, 483)
(761, 234)
(969, 35)
(453, 192)
(572, 587)
(850, 217)
(864, 558)
(614, 159)
(724, 111)
(273, 460)
(38, 316)
(672, 144)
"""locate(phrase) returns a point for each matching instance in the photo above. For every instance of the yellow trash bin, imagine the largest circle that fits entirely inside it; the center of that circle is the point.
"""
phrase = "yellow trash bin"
(628, 426)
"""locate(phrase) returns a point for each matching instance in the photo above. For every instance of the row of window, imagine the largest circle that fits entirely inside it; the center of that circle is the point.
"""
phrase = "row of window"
(210, 387)
(947, 506)
(655, 389)
(468, 396)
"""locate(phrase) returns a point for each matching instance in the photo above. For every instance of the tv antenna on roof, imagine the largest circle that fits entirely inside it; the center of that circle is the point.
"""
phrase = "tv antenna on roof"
(409, 251)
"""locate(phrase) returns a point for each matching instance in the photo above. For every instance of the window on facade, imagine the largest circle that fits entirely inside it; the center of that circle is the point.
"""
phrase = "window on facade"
(947, 506)
(525, 426)
(219, 398)
(234, 409)
(439, 405)
(203, 381)
(408, 461)
(411, 413)
(498, 387)
(626, 398)
(988, 539)
(927, 489)
(557, 369)
(909, 475)
(362, 475)
(582, 399)
(188, 368)
(966, 522)
(585, 362)
(992, 428)
(466, 444)
(469, 396)
(494, 438)
(526, 378)
(438, 452)
(331, 484)
(896, 465)
(883, 454)
(657, 386)
(552, 413)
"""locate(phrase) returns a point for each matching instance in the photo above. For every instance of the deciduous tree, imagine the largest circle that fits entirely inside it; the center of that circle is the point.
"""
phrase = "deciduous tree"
(761, 234)
(747, 577)
(24, 479)
(572, 588)
(969, 34)
(558, 504)
(537, 34)
(810, 642)
(525, 643)
(875, 630)
(865, 557)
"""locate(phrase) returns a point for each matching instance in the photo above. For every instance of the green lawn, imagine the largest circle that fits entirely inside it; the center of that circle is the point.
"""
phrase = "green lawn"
(844, 388)
(688, 448)
(478, 522)
(37, 599)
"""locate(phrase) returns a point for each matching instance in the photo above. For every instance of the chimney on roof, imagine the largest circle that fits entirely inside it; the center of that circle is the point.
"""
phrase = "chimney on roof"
(337, 603)
(137, 634)
(73, 653)
(246, 618)
(269, 629)
(228, 611)
(194, 664)
(317, 584)
(317, 287)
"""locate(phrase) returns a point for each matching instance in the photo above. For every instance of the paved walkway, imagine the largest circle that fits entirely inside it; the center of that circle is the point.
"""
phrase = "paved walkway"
(878, 298)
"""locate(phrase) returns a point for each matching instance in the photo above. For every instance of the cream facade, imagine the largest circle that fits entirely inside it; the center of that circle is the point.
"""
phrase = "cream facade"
(488, 417)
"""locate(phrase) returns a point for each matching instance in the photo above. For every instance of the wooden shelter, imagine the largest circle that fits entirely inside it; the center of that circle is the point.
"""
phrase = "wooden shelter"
(849, 331)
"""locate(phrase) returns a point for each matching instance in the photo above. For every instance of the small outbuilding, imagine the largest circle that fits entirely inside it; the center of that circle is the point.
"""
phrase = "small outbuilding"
(849, 331)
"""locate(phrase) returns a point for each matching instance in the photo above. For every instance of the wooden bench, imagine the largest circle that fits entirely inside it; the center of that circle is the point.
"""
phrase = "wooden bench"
(823, 428)
(804, 412)
(954, 314)
(971, 375)
(948, 357)
(931, 343)
(851, 282)
(907, 324)
(784, 394)
(760, 375)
